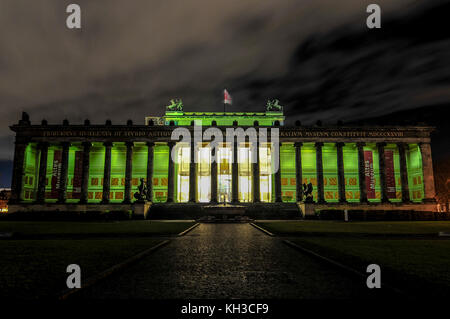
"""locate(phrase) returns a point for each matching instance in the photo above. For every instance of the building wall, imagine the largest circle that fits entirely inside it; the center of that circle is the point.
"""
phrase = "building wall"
(160, 172)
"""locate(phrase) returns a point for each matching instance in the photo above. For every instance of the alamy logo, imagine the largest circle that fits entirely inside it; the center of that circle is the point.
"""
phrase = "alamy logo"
(214, 138)
(73, 20)
(74, 279)
(374, 279)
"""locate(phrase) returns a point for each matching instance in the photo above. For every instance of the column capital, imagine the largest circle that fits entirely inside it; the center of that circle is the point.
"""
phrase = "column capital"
(86, 144)
(66, 144)
(129, 144)
(150, 144)
(360, 144)
(298, 144)
(381, 144)
(340, 144)
(107, 144)
(318, 144)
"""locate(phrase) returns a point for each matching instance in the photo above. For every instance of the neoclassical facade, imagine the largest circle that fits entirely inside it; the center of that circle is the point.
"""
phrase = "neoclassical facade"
(99, 167)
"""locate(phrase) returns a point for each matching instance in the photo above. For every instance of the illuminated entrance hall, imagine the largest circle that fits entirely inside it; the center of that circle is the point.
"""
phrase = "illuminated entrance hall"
(99, 167)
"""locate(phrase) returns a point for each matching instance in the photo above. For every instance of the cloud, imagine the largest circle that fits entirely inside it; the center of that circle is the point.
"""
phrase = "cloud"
(131, 57)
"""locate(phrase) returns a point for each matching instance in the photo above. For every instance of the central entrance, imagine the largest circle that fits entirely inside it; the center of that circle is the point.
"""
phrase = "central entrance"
(224, 176)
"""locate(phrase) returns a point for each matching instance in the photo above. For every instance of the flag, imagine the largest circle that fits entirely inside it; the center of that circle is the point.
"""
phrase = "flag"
(227, 97)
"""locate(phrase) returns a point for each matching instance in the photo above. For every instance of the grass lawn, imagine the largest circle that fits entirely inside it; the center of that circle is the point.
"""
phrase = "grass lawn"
(413, 259)
(88, 228)
(410, 264)
(37, 268)
(308, 227)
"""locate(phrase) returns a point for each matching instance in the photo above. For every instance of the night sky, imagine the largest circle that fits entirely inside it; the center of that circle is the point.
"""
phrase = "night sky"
(131, 57)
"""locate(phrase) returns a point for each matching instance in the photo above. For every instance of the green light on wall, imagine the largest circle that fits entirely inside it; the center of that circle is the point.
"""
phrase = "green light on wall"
(309, 172)
(30, 176)
(287, 166)
(330, 172)
(160, 172)
(351, 172)
(96, 170)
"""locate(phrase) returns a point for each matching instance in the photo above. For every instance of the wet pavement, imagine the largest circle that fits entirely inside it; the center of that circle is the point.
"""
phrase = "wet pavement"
(229, 261)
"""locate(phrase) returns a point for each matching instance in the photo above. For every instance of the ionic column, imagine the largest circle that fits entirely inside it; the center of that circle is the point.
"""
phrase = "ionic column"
(18, 170)
(42, 172)
(192, 174)
(403, 172)
(362, 173)
(107, 173)
(128, 172)
(150, 152)
(341, 172)
(298, 171)
(235, 175)
(62, 192)
(213, 175)
(171, 174)
(85, 173)
(256, 179)
(319, 170)
(428, 176)
(382, 164)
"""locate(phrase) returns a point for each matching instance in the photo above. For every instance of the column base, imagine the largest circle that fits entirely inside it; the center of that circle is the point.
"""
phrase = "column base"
(429, 200)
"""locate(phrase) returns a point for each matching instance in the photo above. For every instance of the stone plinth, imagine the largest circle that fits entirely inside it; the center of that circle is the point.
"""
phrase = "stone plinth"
(141, 209)
(309, 209)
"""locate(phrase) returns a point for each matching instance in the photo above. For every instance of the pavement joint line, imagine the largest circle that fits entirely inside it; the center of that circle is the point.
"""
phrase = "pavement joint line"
(336, 264)
(184, 232)
(110, 271)
(262, 229)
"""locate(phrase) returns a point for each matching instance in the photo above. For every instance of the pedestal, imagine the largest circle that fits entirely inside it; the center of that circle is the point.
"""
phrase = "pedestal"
(141, 209)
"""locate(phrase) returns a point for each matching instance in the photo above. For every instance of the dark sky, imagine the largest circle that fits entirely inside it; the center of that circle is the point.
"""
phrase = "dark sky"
(317, 57)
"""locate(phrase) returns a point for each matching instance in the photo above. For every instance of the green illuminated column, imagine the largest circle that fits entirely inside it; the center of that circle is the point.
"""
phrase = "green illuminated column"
(256, 189)
(150, 147)
(107, 173)
(62, 192)
(341, 172)
(403, 172)
(235, 176)
(361, 173)
(192, 174)
(213, 176)
(382, 164)
(42, 172)
(298, 171)
(427, 168)
(128, 172)
(85, 172)
(171, 174)
(18, 170)
(278, 198)
(319, 168)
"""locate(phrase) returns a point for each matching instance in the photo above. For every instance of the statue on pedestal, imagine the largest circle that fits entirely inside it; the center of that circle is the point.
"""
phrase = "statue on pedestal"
(307, 193)
(142, 195)
(175, 105)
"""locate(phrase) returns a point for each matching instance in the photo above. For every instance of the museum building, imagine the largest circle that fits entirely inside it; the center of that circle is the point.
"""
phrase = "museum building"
(93, 167)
